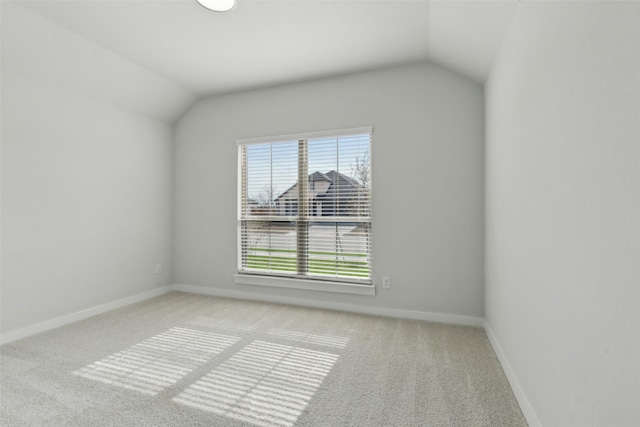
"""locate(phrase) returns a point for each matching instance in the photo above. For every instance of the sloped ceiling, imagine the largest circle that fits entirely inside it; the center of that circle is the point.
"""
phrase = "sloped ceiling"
(269, 42)
(465, 36)
(42, 51)
(263, 43)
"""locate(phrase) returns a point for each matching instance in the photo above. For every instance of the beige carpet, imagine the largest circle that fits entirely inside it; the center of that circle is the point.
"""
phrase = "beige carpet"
(190, 360)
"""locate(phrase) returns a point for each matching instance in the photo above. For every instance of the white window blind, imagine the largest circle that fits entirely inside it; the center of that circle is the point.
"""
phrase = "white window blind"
(305, 206)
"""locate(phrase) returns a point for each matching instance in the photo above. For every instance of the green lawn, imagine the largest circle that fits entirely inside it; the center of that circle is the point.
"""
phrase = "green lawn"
(293, 251)
(317, 265)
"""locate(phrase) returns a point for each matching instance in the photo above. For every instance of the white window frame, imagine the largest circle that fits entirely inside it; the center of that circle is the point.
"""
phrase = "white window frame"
(316, 284)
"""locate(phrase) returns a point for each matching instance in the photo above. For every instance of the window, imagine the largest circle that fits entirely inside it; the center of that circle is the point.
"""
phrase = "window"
(304, 208)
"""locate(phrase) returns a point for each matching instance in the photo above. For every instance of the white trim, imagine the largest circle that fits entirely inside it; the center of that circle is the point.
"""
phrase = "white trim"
(310, 285)
(305, 135)
(453, 319)
(239, 179)
(17, 334)
(228, 293)
(327, 219)
(521, 397)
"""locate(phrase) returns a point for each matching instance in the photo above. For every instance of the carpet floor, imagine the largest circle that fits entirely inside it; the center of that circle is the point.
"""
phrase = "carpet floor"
(192, 360)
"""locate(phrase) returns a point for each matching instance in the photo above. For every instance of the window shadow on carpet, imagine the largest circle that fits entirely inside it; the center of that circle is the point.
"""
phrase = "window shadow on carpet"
(265, 384)
(158, 362)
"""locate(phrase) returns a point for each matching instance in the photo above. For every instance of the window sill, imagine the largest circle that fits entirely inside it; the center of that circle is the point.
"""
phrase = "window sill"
(310, 285)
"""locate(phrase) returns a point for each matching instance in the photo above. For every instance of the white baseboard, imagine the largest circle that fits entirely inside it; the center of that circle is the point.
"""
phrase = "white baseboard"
(378, 311)
(80, 315)
(521, 397)
(17, 334)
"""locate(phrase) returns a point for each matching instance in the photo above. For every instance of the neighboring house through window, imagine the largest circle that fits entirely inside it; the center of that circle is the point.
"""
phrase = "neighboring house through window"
(328, 194)
(305, 207)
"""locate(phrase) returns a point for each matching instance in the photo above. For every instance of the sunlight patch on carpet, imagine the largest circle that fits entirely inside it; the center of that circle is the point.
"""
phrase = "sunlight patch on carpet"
(265, 384)
(158, 362)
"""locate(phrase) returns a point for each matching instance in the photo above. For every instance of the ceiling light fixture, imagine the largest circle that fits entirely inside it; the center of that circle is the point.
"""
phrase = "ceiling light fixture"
(218, 5)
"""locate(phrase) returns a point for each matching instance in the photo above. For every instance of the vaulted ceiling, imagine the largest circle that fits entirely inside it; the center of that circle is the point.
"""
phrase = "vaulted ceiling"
(262, 43)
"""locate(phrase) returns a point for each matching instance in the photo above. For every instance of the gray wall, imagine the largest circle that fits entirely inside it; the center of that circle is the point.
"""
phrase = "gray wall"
(427, 181)
(86, 184)
(563, 210)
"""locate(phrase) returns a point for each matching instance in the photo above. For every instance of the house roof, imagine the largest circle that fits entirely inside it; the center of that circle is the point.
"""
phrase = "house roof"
(319, 176)
(338, 183)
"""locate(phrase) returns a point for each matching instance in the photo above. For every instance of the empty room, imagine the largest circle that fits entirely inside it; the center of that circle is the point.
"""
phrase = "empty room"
(320, 213)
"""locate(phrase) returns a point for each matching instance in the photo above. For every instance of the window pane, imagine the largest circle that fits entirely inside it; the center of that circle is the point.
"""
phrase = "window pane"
(340, 249)
(284, 173)
(269, 246)
(272, 170)
(355, 170)
(339, 176)
(258, 185)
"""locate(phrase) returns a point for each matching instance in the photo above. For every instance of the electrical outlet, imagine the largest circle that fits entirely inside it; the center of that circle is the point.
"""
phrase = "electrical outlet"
(386, 282)
(158, 268)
